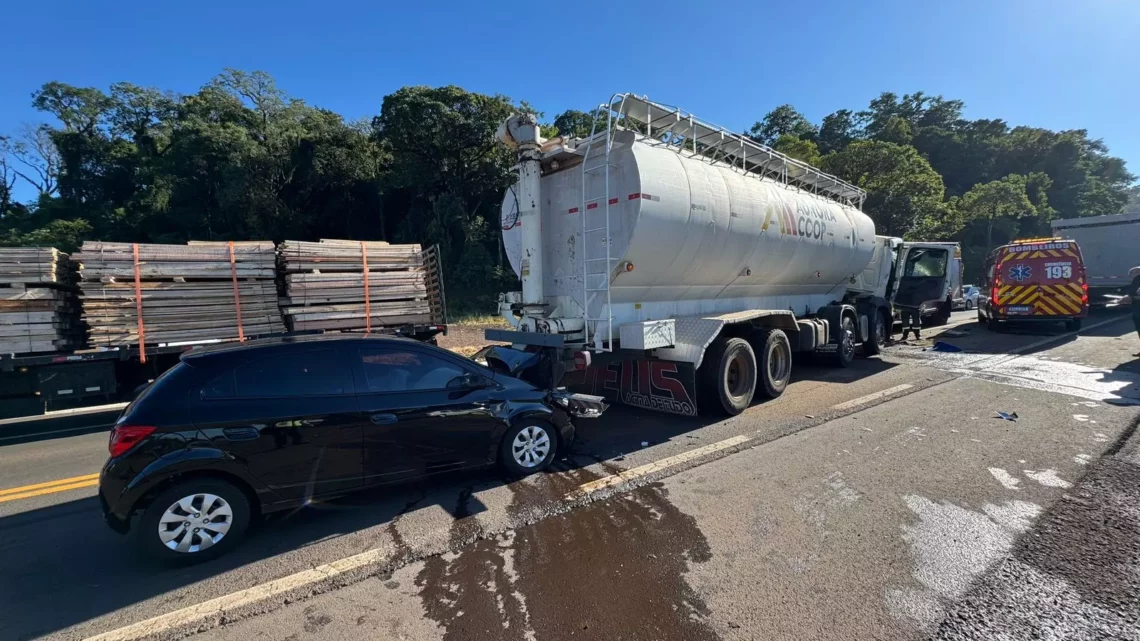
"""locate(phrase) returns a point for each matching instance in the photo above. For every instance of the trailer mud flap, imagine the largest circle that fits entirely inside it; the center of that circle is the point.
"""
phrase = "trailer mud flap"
(663, 386)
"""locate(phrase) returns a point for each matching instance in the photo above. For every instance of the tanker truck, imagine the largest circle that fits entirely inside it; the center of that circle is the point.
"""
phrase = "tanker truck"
(673, 264)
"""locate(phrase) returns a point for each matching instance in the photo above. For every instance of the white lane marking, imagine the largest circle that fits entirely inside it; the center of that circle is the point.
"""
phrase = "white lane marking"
(863, 400)
(216, 608)
(628, 475)
(1008, 481)
(1048, 478)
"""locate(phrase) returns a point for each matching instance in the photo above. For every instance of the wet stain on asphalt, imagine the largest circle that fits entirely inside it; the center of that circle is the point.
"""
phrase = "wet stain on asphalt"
(610, 570)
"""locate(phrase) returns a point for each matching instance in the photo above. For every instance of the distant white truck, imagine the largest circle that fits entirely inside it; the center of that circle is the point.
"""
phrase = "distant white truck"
(1110, 246)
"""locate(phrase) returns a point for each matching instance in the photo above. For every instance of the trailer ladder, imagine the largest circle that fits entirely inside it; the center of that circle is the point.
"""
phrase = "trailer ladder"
(597, 271)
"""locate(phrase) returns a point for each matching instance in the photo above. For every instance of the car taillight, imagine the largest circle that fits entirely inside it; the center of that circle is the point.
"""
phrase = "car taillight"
(124, 437)
(1084, 293)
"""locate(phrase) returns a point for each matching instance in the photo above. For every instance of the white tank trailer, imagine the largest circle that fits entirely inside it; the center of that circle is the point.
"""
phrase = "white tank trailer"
(683, 262)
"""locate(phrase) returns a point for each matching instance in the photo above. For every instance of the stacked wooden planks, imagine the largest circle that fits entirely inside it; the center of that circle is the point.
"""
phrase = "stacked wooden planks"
(326, 287)
(39, 311)
(189, 293)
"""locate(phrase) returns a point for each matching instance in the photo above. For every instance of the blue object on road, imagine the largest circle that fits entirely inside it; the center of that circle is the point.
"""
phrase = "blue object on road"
(945, 347)
(1012, 416)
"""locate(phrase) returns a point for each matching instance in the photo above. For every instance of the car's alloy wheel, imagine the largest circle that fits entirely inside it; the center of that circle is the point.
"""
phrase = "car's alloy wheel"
(530, 446)
(195, 523)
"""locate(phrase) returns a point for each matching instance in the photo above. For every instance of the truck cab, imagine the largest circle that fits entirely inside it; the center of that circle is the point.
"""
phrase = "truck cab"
(927, 276)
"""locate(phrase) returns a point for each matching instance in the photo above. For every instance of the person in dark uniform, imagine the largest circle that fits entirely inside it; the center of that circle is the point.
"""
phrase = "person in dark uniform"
(1134, 292)
(911, 321)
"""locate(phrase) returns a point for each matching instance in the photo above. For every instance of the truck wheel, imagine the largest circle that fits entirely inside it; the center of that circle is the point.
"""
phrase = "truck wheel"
(1073, 324)
(879, 333)
(728, 375)
(775, 361)
(942, 316)
(845, 343)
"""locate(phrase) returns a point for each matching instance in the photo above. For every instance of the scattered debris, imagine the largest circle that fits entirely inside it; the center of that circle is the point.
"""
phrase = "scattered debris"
(645, 444)
(941, 346)
(954, 333)
(1083, 418)
(808, 416)
(1007, 416)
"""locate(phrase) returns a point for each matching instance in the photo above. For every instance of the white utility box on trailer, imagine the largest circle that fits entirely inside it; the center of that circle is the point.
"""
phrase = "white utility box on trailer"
(686, 260)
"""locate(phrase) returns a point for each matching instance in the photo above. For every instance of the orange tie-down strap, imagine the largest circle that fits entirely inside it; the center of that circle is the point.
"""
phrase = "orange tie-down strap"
(367, 297)
(237, 293)
(139, 306)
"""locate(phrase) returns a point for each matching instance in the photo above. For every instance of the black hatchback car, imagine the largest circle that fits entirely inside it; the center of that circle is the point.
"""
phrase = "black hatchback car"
(236, 431)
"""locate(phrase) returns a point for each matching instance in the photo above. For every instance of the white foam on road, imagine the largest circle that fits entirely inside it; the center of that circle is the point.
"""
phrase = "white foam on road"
(952, 546)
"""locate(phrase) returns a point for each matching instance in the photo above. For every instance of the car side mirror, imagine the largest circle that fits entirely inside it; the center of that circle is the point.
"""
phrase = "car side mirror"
(468, 381)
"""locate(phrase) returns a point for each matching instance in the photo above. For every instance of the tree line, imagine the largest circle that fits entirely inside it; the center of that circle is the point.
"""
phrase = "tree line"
(241, 159)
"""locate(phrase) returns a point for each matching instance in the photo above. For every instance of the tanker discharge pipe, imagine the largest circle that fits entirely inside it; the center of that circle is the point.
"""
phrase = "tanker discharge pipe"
(520, 132)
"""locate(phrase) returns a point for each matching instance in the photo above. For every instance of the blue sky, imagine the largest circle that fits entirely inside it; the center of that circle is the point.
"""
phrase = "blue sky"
(1050, 63)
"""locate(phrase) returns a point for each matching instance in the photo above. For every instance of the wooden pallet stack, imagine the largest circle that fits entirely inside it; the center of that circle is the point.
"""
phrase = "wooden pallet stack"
(39, 311)
(326, 287)
(158, 294)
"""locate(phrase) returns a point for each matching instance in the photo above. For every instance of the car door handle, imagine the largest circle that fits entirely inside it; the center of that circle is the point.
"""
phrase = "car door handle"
(241, 433)
(384, 419)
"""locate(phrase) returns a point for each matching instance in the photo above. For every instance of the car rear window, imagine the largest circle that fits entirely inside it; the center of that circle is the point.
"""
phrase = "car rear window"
(310, 373)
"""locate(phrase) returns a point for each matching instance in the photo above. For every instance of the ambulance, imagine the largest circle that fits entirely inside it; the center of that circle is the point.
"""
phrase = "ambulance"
(1038, 279)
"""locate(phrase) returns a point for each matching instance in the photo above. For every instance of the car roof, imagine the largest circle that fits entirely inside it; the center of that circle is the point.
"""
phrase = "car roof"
(237, 348)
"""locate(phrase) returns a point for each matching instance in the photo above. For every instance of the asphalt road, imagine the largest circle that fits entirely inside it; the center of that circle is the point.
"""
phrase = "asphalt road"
(870, 502)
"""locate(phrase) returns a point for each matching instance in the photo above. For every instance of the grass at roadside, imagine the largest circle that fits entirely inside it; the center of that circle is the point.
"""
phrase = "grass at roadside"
(478, 319)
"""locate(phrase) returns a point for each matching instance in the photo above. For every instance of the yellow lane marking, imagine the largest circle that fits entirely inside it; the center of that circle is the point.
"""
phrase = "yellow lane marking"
(656, 466)
(49, 490)
(51, 486)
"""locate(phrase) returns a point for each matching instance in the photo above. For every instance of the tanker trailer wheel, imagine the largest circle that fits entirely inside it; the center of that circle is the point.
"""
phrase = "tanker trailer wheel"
(775, 361)
(728, 375)
(880, 332)
(845, 343)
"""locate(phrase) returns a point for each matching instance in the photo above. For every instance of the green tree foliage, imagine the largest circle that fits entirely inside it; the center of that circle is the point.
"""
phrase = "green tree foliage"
(783, 120)
(798, 148)
(838, 130)
(1000, 211)
(904, 193)
(240, 159)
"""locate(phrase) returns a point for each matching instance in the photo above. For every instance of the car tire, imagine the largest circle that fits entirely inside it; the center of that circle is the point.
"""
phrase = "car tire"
(1073, 325)
(969, 305)
(775, 362)
(528, 446)
(879, 332)
(214, 500)
(844, 352)
(728, 375)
